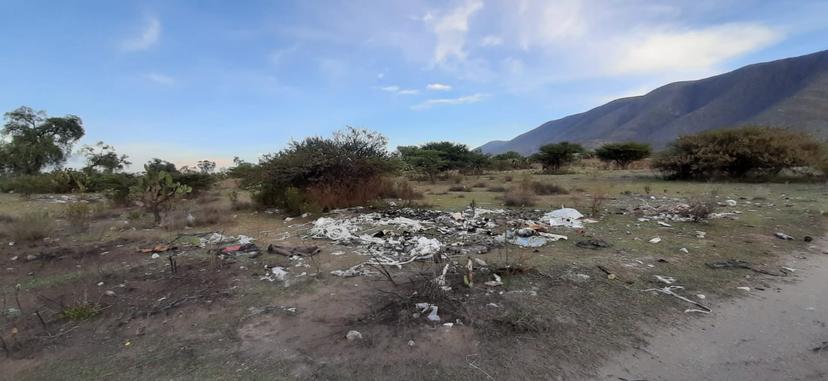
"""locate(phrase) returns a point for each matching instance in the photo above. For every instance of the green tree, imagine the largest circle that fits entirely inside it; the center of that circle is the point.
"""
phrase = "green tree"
(104, 158)
(510, 160)
(158, 165)
(554, 156)
(206, 166)
(35, 140)
(427, 161)
(623, 154)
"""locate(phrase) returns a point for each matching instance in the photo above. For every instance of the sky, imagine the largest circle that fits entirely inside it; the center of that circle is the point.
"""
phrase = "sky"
(193, 80)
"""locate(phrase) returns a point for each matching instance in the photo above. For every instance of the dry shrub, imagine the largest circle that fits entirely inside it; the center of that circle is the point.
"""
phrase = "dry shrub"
(497, 188)
(354, 193)
(457, 179)
(479, 184)
(547, 189)
(31, 226)
(459, 188)
(508, 179)
(597, 203)
(209, 215)
(700, 208)
(78, 214)
(519, 196)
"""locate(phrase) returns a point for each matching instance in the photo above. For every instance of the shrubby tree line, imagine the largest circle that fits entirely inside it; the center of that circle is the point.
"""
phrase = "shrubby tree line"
(354, 166)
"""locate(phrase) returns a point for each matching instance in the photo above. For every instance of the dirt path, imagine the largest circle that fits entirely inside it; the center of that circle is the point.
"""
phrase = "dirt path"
(768, 336)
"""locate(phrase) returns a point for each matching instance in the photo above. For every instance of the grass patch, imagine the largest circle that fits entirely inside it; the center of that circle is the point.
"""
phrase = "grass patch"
(32, 226)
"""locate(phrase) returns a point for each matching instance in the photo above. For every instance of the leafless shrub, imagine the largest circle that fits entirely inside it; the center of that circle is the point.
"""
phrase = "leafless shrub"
(700, 208)
(547, 189)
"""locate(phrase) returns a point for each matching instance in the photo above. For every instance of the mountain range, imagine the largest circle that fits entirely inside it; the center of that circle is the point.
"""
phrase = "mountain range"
(788, 93)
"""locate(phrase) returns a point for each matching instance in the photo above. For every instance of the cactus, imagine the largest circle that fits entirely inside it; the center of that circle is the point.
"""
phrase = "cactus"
(157, 190)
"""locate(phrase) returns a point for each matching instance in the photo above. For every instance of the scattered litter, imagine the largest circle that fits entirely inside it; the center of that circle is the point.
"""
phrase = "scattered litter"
(737, 264)
(426, 307)
(666, 225)
(448, 325)
(730, 202)
(669, 291)
(577, 277)
(411, 343)
(552, 237)
(353, 335)
(11, 243)
(240, 249)
(109, 293)
(350, 272)
(684, 250)
(564, 217)
(337, 253)
(158, 249)
(610, 274)
(700, 234)
(155, 256)
(496, 282)
(701, 296)
(784, 236)
(277, 273)
(480, 262)
(593, 243)
(696, 310)
(288, 251)
(655, 240)
(493, 305)
(743, 288)
(665, 279)
(533, 241)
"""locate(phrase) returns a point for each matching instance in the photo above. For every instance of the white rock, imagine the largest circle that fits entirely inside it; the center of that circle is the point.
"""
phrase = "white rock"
(655, 240)
(353, 335)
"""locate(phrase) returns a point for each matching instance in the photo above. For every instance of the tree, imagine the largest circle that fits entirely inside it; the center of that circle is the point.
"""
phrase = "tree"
(35, 141)
(511, 159)
(623, 154)
(103, 156)
(554, 156)
(428, 161)
(158, 165)
(206, 166)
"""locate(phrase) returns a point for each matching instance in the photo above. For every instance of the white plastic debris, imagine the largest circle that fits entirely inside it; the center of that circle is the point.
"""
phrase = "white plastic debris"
(448, 325)
(335, 230)
(155, 256)
(411, 343)
(700, 234)
(743, 288)
(11, 243)
(784, 236)
(109, 293)
(480, 262)
(701, 296)
(731, 202)
(426, 307)
(426, 246)
(564, 217)
(277, 273)
(496, 282)
(552, 237)
(655, 240)
(533, 241)
(666, 225)
(666, 279)
(684, 250)
(353, 335)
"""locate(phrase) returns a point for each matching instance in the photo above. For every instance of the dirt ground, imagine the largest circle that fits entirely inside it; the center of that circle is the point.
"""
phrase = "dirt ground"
(557, 315)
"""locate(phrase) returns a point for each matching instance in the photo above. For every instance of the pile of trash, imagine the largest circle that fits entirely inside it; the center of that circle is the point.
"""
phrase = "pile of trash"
(401, 236)
(230, 245)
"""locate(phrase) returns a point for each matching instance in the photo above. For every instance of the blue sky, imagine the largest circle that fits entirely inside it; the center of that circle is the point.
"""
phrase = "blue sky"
(191, 80)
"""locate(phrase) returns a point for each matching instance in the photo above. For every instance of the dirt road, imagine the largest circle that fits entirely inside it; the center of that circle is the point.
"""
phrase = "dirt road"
(769, 335)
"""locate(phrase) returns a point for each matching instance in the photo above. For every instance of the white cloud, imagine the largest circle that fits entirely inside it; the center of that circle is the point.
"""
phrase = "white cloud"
(690, 50)
(491, 41)
(438, 87)
(160, 79)
(474, 98)
(450, 29)
(399, 91)
(150, 36)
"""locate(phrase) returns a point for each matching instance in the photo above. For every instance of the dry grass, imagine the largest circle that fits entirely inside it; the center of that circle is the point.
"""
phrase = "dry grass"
(31, 226)
(496, 188)
(519, 196)
(459, 188)
(546, 189)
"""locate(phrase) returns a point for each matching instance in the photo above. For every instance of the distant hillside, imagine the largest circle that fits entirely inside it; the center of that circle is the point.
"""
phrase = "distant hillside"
(790, 93)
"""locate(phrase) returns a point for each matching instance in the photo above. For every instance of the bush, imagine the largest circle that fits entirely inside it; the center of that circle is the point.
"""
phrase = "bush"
(623, 154)
(546, 189)
(737, 153)
(553, 157)
(519, 196)
(32, 226)
(78, 214)
(699, 208)
(345, 170)
(459, 188)
(497, 188)
(198, 182)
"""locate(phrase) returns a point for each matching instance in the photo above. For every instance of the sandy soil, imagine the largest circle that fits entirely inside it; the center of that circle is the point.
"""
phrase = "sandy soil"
(770, 335)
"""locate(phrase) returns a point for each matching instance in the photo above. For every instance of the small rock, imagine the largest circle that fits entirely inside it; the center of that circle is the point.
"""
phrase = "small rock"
(684, 250)
(411, 343)
(700, 234)
(31, 257)
(701, 296)
(743, 288)
(100, 284)
(730, 202)
(109, 293)
(14, 258)
(808, 238)
(353, 335)
(655, 240)
(155, 256)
